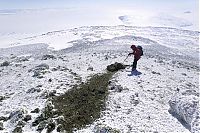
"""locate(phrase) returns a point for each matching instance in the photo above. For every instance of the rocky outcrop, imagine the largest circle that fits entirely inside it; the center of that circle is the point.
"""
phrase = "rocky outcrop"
(46, 57)
(115, 67)
(39, 70)
(5, 63)
(185, 107)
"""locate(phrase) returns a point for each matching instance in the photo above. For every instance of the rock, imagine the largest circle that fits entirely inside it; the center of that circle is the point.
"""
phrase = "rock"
(32, 90)
(106, 58)
(153, 72)
(45, 57)
(45, 94)
(27, 118)
(16, 115)
(54, 69)
(41, 125)
(1, 125)
(48, 110)
(184, 74)
(39, 86)
(22, 59)
(90, 69)
(39, 70)
(37, 110)
(18, 129)
(52, 93)
(184, 108)
(51, 126)
(135, 102)
(104, 129)
(2, 118)
(50, 80)
(115, 67)
(36, 73)
(2, 98)
(38, 120)
(60, 119)
(109, 82)
(116, 88)
(5, 63)
(21, 123)
(59, 128)
(136, 94)
(55, 113)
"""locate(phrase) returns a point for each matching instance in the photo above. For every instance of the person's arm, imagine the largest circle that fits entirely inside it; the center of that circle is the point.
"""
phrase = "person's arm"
(130, 54)
(133, 53)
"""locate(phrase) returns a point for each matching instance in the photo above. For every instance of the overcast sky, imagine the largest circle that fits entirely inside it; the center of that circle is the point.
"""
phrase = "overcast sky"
(31, 4)
(172, 13)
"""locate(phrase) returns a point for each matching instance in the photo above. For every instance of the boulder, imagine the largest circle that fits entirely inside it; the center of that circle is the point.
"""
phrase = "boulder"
(115, 67)
(27, 118)
(5, 63)
(184, 108)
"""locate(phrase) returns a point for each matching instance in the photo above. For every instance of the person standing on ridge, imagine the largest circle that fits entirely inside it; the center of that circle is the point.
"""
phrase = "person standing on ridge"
(137, 52)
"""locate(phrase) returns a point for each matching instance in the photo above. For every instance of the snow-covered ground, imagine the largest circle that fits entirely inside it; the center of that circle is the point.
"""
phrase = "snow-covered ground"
(45, 52)
(169, 66)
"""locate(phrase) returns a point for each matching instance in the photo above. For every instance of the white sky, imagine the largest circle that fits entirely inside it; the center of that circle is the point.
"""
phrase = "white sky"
(63, 14)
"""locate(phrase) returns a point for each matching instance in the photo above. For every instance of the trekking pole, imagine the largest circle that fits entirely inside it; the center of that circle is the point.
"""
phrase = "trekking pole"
(125, 59)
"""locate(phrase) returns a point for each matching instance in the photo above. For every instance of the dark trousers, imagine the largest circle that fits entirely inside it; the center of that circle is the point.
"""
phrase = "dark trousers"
(134, 64)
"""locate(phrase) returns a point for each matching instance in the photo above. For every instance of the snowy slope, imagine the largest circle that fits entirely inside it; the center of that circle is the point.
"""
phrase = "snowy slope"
(170, 62)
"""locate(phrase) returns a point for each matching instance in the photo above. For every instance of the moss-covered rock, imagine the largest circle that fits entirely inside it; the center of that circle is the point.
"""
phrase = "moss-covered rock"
(115, 67)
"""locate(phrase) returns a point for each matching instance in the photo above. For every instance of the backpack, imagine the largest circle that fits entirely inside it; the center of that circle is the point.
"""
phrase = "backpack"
(140, 48)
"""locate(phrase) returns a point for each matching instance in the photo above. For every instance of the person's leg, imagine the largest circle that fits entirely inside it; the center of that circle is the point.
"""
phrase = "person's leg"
(134, 65)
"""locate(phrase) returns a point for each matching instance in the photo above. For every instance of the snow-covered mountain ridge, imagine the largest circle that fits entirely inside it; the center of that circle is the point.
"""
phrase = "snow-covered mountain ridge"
(168, 68)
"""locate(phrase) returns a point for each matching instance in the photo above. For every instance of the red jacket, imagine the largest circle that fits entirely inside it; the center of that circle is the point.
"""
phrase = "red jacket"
(136, 52)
